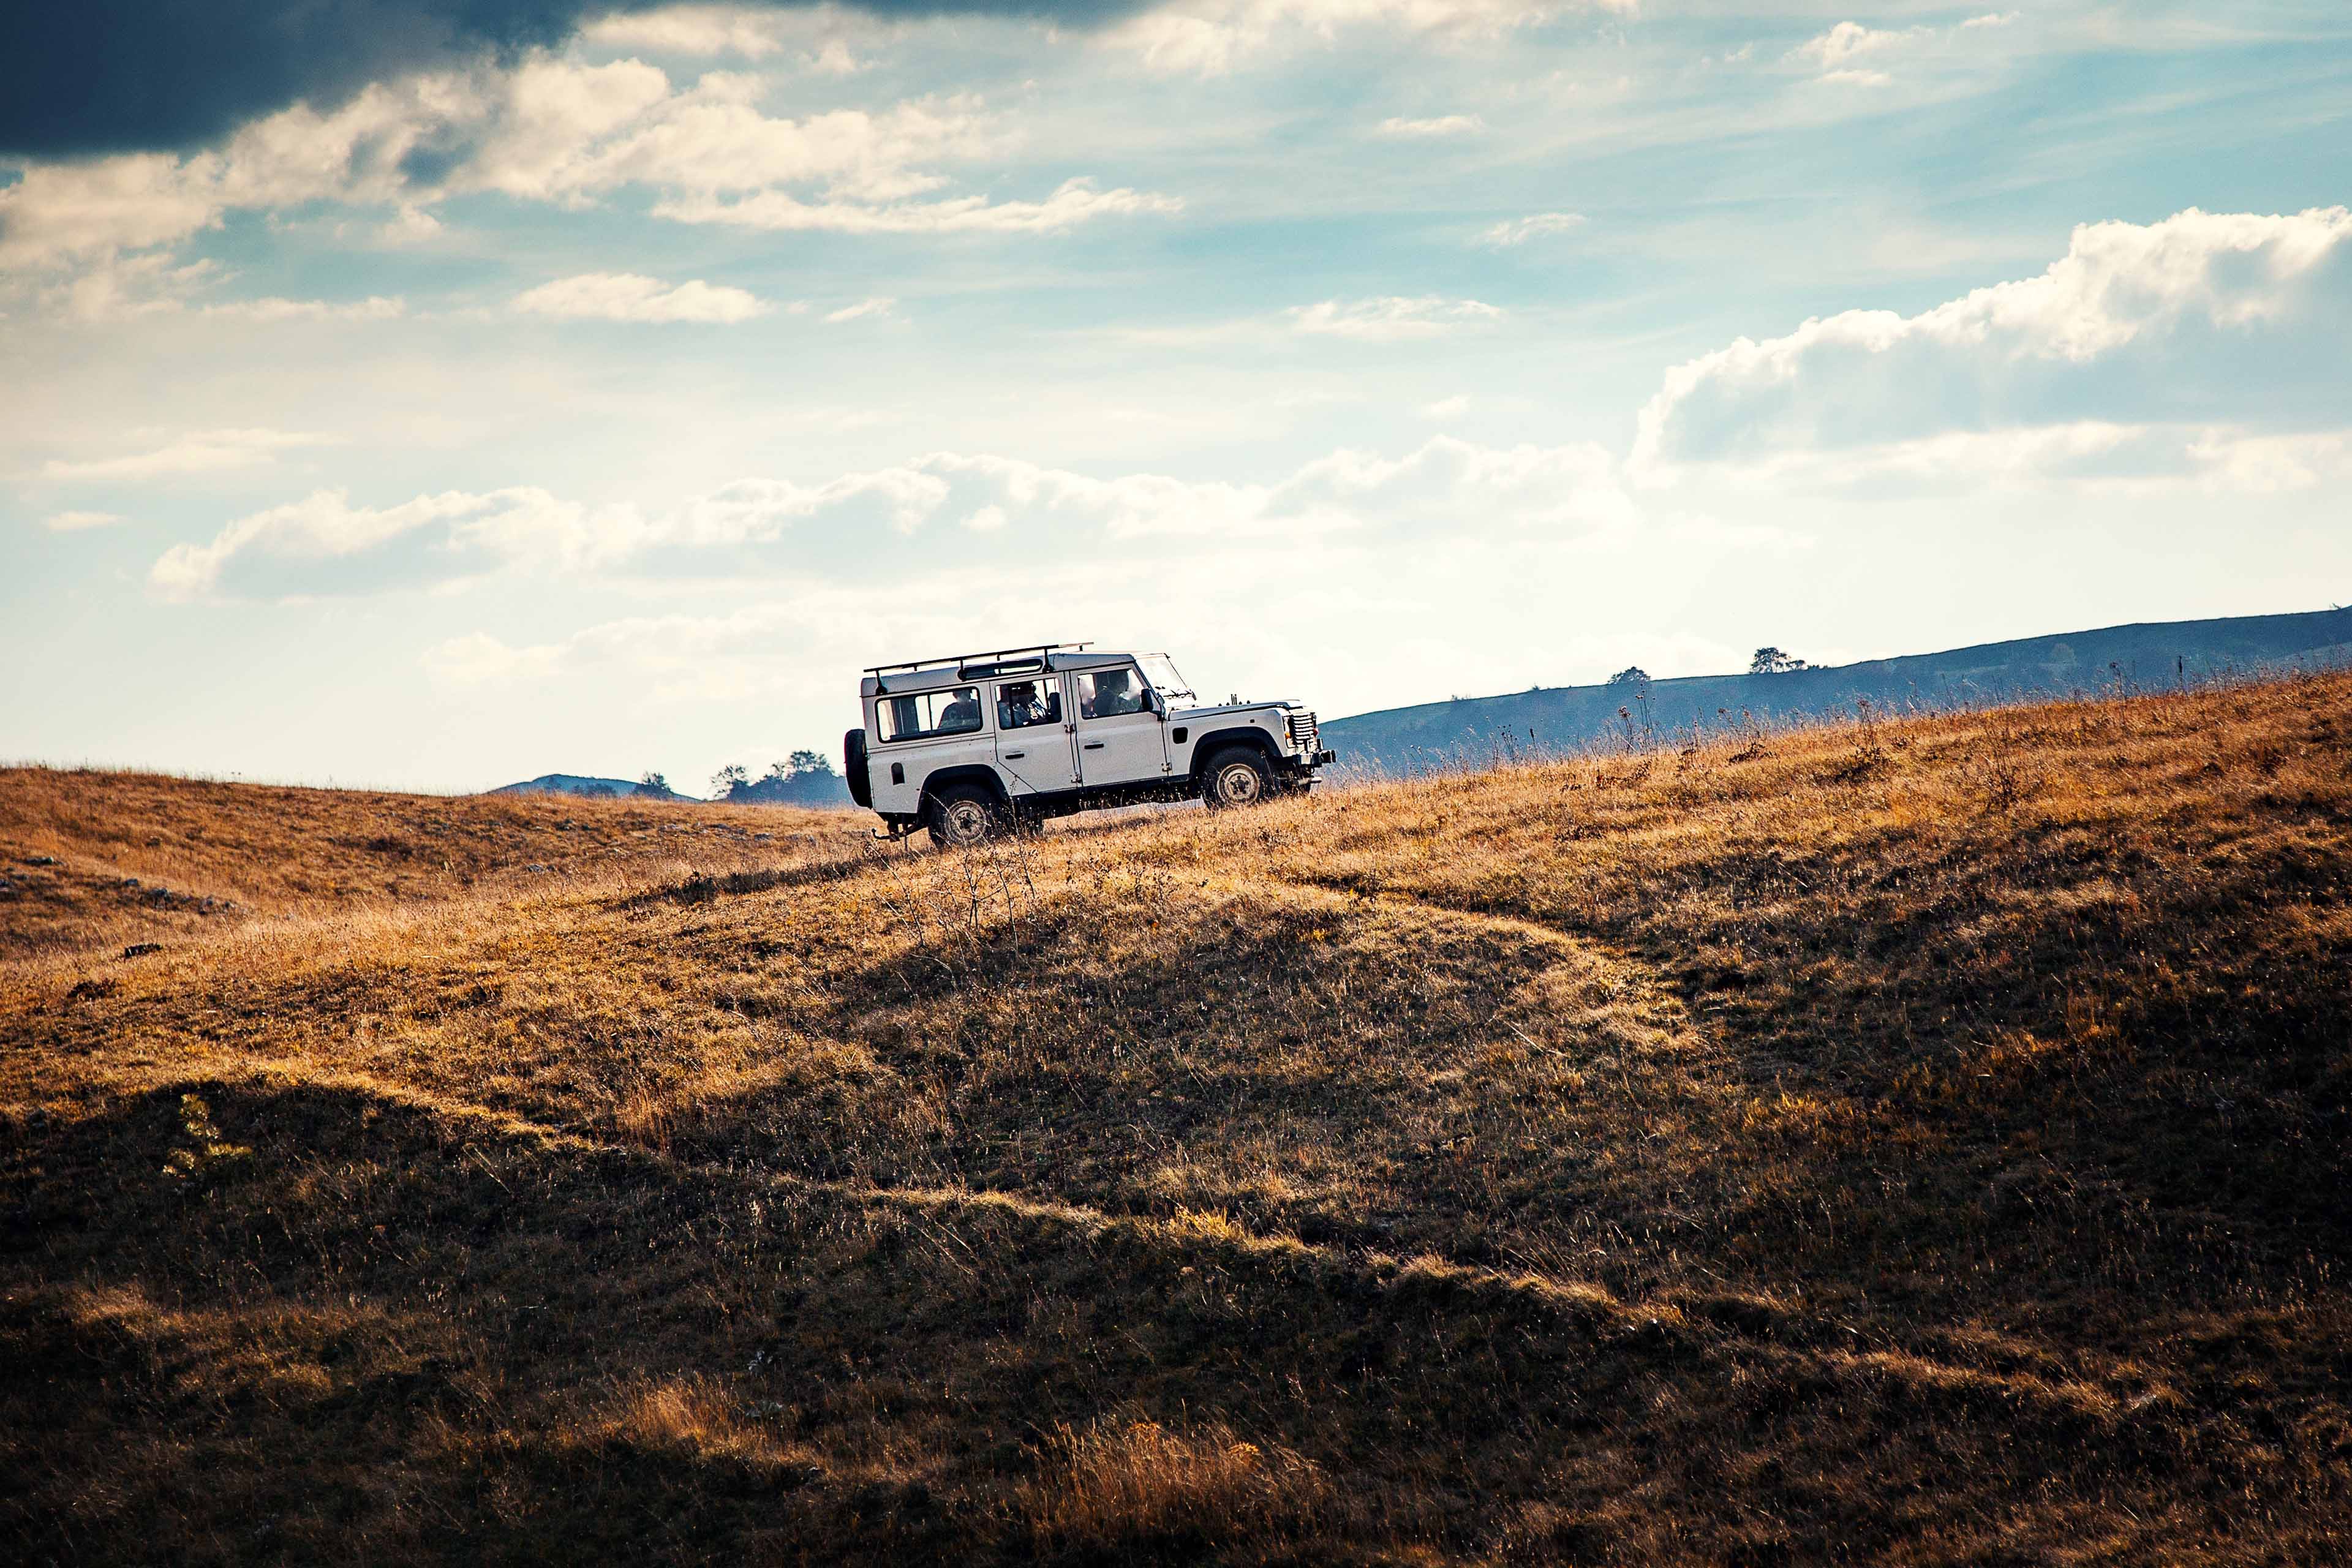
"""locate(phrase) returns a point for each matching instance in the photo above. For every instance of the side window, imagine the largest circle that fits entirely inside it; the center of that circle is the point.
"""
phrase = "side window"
(1022, 703)
(922, 713)
(1107, 693)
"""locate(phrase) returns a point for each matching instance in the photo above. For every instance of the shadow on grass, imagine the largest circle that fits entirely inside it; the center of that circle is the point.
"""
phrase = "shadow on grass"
(246, 1322)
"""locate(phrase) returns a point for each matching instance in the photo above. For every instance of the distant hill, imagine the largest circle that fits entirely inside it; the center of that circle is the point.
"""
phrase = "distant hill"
(1562, 719)
(815, 785)
(579, 783)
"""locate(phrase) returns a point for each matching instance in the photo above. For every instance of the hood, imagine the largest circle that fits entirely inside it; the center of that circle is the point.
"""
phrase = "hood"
(1216, 709)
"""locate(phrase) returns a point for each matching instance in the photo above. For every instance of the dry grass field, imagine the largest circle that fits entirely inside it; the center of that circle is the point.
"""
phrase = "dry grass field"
(1921, 1142)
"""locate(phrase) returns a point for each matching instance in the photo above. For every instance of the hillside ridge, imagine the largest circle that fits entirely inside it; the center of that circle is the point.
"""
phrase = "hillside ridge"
(2137, 656)
(1910, 1141)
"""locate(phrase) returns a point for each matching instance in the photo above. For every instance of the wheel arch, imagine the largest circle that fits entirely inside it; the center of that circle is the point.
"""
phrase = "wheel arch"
(1216, 741)
(966, 772)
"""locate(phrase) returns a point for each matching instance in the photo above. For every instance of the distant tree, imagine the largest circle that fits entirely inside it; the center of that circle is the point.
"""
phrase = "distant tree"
(1631, 674)
(1772, 661)
(653, 784)
(798, 765)
(724, 783)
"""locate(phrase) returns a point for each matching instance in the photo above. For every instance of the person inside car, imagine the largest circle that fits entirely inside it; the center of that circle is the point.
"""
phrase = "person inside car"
(1114, 695)
(962, 713)
(1019, 707)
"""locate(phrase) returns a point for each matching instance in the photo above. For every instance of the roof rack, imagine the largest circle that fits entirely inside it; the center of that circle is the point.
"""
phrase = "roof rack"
(964, 658)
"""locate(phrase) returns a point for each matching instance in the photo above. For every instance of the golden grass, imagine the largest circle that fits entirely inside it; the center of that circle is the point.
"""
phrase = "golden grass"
(1136, 1485)
(1919, 1143)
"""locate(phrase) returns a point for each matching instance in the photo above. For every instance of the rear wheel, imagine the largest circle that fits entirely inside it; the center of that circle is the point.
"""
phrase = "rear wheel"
(1236, 776)
(963, 815)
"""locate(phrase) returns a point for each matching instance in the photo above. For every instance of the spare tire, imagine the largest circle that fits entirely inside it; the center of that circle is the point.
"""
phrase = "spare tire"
(852, 768)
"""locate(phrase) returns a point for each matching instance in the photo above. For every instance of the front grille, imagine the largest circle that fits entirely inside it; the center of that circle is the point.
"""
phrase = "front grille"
(1302, 731)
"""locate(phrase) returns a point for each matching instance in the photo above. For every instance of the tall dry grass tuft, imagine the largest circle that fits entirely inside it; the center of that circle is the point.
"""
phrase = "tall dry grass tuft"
(1126, 1484)
(697, 1417)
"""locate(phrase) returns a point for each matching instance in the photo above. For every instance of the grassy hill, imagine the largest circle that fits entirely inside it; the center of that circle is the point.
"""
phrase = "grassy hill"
(1555, 720)
(1916, 1143)
(586, 784)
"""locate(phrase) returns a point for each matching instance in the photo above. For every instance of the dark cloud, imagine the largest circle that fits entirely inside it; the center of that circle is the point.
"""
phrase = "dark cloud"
(112, 76)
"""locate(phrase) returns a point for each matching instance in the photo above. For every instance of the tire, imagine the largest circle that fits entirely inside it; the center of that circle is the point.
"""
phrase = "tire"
(1236, 776)
(852, 768)
(961, 816)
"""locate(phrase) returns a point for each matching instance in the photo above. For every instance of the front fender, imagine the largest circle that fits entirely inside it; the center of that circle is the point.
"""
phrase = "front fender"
(1216, 741)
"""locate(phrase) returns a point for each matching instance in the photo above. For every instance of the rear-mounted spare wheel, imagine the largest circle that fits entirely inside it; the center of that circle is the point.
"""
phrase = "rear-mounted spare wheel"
(852, 768)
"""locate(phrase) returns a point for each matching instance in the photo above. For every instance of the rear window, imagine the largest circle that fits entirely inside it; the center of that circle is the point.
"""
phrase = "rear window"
(955, 712)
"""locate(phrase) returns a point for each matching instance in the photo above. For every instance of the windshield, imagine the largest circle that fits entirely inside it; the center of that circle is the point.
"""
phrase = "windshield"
(1161, 671)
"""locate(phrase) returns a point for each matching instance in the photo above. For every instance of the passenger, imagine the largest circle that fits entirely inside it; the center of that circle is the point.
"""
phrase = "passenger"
(1019, 707)
(962, 714)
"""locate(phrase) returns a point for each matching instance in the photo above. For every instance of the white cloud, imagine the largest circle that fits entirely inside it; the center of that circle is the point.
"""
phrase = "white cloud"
(1858, 56)
(124, 287)
(375, 308)
(2203, 321)
(65, 213)
(690, 30)
(1448, 407)
(2094, 456)
(75, 522)
(201, 452)
(1442, 125)
(879, 305)
(324, 544)
(59, 211)
(1074, 201)
(1534, 226)
(1390, 319)
(630, 297)
(1450, 484)
(821, 37)
(549, 130)
(1847, 44)
(1211, 37)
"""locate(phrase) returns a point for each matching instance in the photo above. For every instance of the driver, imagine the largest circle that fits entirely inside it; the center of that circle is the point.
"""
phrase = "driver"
(1114, 696)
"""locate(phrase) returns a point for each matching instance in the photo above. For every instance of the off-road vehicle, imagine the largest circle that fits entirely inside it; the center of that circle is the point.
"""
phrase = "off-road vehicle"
(967, 747)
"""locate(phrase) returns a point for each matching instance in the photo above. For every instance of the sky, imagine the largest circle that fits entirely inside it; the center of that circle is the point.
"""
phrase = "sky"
(431, 394)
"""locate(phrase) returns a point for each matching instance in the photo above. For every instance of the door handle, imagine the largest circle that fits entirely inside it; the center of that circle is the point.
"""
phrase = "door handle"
(1094, 746)
(1014, 756)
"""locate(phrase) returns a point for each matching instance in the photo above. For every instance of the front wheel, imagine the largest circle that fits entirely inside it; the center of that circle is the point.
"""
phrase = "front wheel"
(962, 815)
(1238, 776)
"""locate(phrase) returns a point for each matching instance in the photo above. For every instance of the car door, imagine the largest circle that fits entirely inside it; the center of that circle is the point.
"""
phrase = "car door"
(919, 733)
(1035, 747)
(1120, 736)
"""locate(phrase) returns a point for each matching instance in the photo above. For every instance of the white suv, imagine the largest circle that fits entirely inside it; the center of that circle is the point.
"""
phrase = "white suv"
(967, 746)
